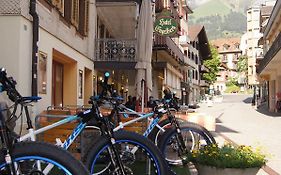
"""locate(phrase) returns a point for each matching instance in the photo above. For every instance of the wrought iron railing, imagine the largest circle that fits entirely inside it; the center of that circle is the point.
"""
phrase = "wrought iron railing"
(116, 50)
(275, 47)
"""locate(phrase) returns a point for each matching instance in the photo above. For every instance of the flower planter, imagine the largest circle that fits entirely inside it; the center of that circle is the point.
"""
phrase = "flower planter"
(208, 170)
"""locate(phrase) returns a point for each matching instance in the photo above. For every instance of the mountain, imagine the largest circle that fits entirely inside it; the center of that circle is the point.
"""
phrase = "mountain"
(221, 18)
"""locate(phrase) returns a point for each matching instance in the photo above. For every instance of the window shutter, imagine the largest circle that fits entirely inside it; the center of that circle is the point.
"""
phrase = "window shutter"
(59, 4)
(75, 13)
(86, 20)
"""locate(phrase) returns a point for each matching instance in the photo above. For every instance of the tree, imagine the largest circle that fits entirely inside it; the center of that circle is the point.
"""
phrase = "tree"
(242, 64)
(213, 66)
(242, 68)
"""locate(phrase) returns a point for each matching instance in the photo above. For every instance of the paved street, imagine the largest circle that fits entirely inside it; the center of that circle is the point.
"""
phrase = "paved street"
(237, 120)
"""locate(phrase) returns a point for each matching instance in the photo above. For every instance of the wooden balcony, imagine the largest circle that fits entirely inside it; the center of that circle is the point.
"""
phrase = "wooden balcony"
(167, 44)
(276, 46)
(115, 50)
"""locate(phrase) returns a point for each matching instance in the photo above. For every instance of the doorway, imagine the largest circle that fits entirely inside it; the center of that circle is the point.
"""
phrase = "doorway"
(57, 84)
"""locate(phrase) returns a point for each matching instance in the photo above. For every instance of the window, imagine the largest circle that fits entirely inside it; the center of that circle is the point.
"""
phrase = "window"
(83, 17)
(225, 47)
(193, 72)
(42, 73)
(75, 12)
(59, 5)
(250, 70)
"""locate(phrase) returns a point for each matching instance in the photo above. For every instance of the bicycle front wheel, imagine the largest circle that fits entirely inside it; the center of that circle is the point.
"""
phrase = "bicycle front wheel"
(194, 137)
(35, 158)
(138, 155)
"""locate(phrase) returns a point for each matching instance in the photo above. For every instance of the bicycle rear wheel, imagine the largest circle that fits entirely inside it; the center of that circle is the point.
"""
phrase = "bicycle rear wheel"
(35, 158)
(138, 155)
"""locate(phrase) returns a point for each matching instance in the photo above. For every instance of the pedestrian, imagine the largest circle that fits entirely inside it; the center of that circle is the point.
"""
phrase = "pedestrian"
(150, 103)
(130, 104)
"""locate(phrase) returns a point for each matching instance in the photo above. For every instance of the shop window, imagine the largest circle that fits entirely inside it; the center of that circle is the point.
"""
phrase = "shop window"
(80, 85)
(42, 73)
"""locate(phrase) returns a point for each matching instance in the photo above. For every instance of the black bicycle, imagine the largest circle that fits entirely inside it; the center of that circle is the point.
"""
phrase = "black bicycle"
(30, 158)
(175, 138)
(120, 152)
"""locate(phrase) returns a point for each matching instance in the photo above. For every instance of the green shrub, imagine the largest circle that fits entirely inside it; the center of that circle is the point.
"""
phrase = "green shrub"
(231, 89)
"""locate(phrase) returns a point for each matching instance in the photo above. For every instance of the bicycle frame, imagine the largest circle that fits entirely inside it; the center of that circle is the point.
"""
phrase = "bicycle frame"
(77, 130)
(153, 122)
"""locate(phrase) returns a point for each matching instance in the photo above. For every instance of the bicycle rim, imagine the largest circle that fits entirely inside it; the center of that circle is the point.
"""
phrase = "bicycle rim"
(35, 165)
(136, 159)
(192, 141)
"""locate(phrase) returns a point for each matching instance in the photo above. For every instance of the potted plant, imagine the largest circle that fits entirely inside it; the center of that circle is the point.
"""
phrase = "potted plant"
(227, 159)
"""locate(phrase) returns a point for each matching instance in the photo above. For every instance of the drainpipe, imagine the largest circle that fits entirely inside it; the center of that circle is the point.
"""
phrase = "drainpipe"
(35, 34)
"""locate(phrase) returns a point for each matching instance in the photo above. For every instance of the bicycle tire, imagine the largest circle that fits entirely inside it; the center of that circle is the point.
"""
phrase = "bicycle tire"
(156, 132)
(168, 144)
(124, 137)
(63, 161)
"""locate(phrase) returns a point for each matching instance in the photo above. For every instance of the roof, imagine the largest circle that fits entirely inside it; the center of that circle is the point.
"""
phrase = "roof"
(193, 31)
(198, 31)
(230, 43)
(266, 10)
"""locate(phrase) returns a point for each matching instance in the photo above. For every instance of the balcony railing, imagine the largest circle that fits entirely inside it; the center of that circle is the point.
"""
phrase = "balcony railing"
(204, 83)
(115, 50)
(276, 46)
(166, 43)
(137, 1)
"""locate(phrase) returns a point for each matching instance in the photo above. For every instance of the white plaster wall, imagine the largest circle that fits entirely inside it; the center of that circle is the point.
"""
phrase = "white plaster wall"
(46, 44)
(15, 49)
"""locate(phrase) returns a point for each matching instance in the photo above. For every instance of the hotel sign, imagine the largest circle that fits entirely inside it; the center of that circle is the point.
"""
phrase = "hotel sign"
(165, 26)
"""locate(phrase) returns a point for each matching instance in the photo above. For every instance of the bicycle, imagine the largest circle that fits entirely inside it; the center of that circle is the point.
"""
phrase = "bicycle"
(174, 132)
(109, 142)
(31, 158)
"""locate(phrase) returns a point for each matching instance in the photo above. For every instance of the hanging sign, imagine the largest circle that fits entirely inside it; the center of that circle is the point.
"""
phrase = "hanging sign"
(165, 25)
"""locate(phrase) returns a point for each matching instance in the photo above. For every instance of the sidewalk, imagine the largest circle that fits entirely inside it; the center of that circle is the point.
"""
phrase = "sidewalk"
(228, 124)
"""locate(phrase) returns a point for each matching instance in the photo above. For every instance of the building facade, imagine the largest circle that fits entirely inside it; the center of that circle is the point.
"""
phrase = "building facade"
(253, 35)
(66, 33)
(199, 51)
(229, 51)
(170, 60)
(268, 68)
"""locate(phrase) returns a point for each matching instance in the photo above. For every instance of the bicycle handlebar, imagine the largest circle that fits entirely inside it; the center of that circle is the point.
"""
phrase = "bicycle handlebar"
(8, 84)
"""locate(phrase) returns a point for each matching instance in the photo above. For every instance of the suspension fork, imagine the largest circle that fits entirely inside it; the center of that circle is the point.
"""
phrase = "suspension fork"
(113, 152)
(7, 145)
(182, 147)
